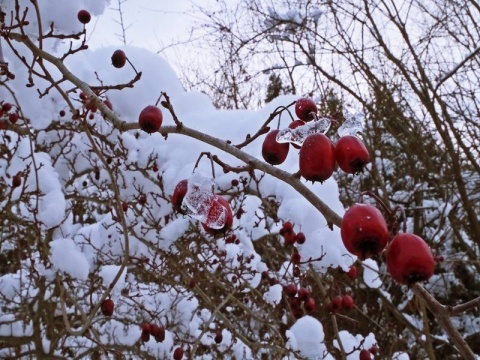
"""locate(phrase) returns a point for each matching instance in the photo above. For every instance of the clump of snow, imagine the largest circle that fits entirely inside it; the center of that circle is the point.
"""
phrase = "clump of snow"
(108, 274)
(274, 294)
(370, 274)
(67, 257)
(307, 336)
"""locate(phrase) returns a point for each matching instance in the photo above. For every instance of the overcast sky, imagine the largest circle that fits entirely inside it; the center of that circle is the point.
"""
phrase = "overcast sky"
(153, 24)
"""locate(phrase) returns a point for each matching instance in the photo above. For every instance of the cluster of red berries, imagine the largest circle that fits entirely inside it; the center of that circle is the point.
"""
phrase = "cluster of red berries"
(12, 117)
(217, 206)
(157, 331)
(300, 300)
(318, 155)
(290, 236)
(367, 354)
(340, 302)
(364, 233)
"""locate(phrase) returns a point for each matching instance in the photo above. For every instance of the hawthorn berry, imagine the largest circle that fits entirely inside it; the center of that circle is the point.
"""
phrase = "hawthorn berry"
(295, 258)
(409, 259)
(309, 305)
(364, 355)
(62, 113)
(347, 302)
(6, 107)
(84, 16)
(218, 207)
(290, 290)
(300, 238)
(150, 119)
(178, 354)
(352, 272)
(351, 154)
(317, 158)
(218, 337)
(303, 294)
(364, 231)
(274, 152)
(305, 109)
(119, 59)
(178, 195)
(16, 181)
(13, 118)
(107, 307)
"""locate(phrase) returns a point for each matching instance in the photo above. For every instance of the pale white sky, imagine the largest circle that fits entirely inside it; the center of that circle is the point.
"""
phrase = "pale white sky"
(153, 24)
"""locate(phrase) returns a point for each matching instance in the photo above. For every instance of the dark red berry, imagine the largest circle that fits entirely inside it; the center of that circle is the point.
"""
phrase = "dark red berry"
(305, 109)
(352, 272)
(107, 307)
(290, 290)
(178, 354)
(84, 16)
(150, 119)
(347, 302)
(274, 152)
(178, 195)
(364, 355)
(6, 107)
(119, 59)
(309, 305)
(300, 238)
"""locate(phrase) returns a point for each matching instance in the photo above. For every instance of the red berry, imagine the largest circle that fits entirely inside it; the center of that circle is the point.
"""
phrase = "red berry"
(317, 158)
(146, 327)
(158, 332)
(351, 154)
(62, 113)
(16, 181)
(303, 294)
(294, 125)
(150, 119)
(374, 349)
(352, 272)
(305, 109)
(347, 302)
(295, 258)
(145, 336)
(179, 194)
(409, 259)
(218, 337)
(290, 290)
(124, 206)
(178, 354)
(142, 200)
(274, 152)
(336, 304)
(6, 107)
(300, 238)
(297, 312)
(309, 305)
(84, 16)
(13, 118)
(119, 59)
(287, 226)
(289, 237)
(364, 355)
(215, 212)
(107, 307)
(364, 230)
